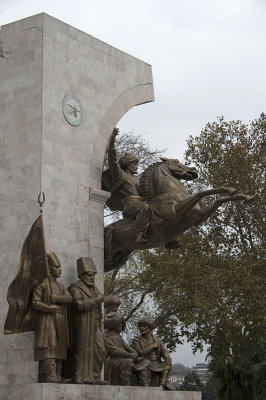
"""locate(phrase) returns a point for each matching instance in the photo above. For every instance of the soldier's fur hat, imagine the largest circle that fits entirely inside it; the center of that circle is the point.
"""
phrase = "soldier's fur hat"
(127, 159)
(113, 320)
(147, 321)
(85, 264)
(111, 300)
(52, 260)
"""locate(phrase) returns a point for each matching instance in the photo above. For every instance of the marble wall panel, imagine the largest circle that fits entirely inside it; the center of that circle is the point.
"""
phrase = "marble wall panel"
(90, 392)
(20, 144)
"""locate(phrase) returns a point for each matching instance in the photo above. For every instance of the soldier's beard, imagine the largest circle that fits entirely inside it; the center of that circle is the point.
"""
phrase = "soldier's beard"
(88, 282)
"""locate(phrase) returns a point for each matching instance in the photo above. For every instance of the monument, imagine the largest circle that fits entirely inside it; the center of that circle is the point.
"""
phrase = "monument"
(157, 208)
(62, 93)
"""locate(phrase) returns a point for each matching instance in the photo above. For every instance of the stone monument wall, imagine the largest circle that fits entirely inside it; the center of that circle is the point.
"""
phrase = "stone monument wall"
(44, 61)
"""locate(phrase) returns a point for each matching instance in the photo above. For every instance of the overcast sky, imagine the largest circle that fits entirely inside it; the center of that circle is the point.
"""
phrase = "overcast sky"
(208, 59)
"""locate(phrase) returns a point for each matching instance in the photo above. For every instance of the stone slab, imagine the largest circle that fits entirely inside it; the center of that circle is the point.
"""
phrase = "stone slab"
(48, 391)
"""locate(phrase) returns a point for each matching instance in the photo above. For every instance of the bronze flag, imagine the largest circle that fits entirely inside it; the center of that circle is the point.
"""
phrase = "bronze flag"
(33, 268)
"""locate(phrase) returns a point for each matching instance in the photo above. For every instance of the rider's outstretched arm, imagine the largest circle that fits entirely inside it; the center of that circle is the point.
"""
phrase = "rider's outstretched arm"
(114, 167)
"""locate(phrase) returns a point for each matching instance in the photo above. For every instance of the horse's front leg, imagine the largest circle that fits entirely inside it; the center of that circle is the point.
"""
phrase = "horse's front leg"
(206, 212)
(186, 204)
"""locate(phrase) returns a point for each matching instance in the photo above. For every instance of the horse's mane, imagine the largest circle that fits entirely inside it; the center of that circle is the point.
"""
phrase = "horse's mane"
(144, 182)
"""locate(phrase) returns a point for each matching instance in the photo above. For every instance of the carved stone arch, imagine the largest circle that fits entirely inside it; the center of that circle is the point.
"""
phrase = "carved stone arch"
(139, 94)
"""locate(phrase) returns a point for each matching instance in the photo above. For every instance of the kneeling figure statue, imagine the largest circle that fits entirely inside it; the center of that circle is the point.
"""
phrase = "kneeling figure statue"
(156, 366)
(120, 358)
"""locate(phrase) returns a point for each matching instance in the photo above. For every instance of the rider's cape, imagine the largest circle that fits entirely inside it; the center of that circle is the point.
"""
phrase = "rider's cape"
(115, 203)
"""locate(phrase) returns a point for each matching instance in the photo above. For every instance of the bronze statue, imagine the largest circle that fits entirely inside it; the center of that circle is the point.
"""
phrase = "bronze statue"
(156, 366)
(120, 357)
(32, 269)
(51, 339)
(123, 183)
(37, 302)
(172, 210)
(111, 304)
(87, 342)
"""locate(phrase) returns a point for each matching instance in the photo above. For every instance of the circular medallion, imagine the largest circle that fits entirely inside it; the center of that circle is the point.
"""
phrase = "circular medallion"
(72, 110)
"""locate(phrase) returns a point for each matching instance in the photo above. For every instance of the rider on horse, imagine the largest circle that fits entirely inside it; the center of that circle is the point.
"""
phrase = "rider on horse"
(125, 189)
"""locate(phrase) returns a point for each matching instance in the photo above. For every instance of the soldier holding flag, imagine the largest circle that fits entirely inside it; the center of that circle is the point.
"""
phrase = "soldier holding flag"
(51, 330)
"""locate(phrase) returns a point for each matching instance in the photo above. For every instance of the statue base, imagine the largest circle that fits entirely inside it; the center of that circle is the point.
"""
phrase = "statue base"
(45, 391)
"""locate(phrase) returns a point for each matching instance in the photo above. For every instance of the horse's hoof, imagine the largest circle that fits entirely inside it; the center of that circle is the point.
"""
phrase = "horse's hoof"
(232, 191)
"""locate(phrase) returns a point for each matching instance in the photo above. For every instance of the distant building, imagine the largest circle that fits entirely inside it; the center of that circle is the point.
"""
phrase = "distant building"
(176, 380)
(202, 370)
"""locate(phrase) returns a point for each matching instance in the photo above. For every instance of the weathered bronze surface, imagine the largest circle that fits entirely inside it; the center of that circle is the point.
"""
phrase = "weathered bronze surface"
(120, 179)
(37, 302)
(111, 304)
(87, 342)
(51, 339)
(156, 364)
(120, 357)
(157, 209)
(32, 269)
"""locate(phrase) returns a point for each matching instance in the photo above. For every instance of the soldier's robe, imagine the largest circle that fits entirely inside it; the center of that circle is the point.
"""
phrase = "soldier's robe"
(158, 360)
(51, 338)
(117, 356)
(87, 343)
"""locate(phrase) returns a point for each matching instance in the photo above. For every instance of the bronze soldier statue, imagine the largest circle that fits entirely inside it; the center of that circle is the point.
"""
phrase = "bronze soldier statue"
(87, 342)
(111, 304)
(51, 330)
(120, 357)
(155, 369)
(125, 189)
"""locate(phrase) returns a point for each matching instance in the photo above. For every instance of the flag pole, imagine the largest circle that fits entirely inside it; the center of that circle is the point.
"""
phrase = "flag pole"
(41, 201)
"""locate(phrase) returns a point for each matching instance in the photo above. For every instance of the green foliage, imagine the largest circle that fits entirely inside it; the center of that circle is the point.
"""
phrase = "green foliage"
(179, 368)
(191, 382)
(233, 154)
(210, 390)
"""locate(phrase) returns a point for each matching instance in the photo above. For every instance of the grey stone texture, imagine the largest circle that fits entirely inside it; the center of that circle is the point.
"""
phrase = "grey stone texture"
(48, 391)
(45, 60)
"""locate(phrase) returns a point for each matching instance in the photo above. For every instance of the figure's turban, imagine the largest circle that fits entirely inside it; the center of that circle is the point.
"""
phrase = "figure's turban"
(127, 159)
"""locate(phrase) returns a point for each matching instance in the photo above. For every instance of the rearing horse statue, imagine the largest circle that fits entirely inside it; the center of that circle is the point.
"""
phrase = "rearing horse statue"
(172, 211)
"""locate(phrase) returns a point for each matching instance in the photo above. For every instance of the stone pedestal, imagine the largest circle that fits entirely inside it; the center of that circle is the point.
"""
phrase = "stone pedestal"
(44, 61)
(48, 391)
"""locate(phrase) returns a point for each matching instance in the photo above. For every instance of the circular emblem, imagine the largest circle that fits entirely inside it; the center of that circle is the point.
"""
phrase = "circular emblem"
(72, 110)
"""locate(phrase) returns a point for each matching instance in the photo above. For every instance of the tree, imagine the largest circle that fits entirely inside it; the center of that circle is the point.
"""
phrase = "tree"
(210, 390)
(240, 150)
(191, 382)
(179, 368)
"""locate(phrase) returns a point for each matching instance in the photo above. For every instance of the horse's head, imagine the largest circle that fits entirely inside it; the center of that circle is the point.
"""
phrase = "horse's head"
(179, 170)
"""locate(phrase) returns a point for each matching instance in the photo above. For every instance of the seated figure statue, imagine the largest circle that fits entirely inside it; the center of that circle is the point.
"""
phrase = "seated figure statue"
(120, 357)
(111, 304)
(155, 368)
